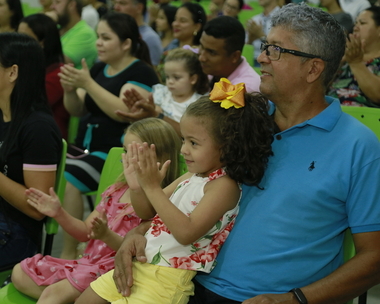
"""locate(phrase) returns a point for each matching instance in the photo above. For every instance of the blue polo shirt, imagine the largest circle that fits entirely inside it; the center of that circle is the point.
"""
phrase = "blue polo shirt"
(324, 177)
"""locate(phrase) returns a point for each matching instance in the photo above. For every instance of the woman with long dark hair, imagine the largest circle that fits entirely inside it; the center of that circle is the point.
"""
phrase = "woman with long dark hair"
(30, 145)
(95, 96)
(45, 31)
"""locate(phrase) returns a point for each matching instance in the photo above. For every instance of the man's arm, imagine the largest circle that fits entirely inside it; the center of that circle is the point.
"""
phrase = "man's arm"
(133, 246)
(350, 280)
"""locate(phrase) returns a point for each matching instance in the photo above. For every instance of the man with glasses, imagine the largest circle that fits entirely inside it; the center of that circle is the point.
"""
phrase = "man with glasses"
(286, 245)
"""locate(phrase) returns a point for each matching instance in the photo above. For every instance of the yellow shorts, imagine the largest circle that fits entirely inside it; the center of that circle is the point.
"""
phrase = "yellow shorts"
(151, 284)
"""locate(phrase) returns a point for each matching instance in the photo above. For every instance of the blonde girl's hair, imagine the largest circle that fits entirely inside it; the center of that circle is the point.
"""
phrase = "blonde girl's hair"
(168, 144)
(193, 66)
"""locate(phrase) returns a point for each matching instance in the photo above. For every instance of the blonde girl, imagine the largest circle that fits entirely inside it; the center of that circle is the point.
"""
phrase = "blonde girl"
(185, 83)
(55, 280)
(225, 142)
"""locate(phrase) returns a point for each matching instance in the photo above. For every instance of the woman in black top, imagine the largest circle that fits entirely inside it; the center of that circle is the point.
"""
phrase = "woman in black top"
(30, 145)
(95, 95)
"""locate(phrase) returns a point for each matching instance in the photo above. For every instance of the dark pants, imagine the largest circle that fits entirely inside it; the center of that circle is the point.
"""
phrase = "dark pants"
(15, 244)
(205, 296)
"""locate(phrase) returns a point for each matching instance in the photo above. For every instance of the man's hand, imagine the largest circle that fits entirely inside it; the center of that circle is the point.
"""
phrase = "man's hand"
(133, 246)
(139, 107)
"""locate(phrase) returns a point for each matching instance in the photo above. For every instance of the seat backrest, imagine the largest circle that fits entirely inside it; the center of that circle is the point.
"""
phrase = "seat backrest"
(73, 129)
(248, 53)
(112, 169)
(368, 116)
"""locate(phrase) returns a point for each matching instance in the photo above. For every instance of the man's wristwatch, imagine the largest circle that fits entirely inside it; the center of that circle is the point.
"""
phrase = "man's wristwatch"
(299, 295)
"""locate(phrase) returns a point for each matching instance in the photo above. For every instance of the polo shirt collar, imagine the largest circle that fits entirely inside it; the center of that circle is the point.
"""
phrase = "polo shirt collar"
(326, 120)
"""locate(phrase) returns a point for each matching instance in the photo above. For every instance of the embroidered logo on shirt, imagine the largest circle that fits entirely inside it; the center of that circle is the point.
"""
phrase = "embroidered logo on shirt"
(312, 167)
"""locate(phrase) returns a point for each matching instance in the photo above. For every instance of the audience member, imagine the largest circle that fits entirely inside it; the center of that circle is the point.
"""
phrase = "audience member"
(221, 45)
(30, 148)
(95, 95)
(77, 38)
(190, 227)
(232, 8)
(137, 9)
(54, 280)
(45, 31)
(185, 83)
(10, 15)
(153, 9)
(187, 29)
(357, 82)
(216, 9)
(259, 26)
(333, 8)
(354, 7)
(164, 26)
(287, 242)
(90, 14)
(188, 24)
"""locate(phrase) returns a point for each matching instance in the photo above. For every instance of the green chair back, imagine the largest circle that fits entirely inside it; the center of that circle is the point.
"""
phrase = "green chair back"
(248, 53)
(73, 129)
(245, 15)
(368, 116)
(112, 169)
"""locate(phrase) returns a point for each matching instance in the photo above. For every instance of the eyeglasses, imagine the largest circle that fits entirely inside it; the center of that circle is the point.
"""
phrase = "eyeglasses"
(274, 52)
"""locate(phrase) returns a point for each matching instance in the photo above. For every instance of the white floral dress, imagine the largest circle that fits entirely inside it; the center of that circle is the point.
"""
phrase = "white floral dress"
(163, 249)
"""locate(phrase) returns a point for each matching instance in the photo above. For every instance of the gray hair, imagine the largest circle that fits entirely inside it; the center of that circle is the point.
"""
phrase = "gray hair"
(316, 32)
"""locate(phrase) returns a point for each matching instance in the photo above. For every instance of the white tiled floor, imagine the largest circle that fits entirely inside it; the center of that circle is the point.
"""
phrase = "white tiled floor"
(372, 298)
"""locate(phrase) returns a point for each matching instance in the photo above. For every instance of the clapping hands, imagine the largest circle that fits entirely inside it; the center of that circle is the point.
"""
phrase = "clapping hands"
(99, 227)
(45, 204)
(146, 170)
(354, 49)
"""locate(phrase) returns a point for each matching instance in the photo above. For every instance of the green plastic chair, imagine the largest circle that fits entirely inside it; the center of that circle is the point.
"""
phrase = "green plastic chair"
(248, 53)
(73, 129)
(112, 169)
(368, 116)
(245, 15)
(9, 294)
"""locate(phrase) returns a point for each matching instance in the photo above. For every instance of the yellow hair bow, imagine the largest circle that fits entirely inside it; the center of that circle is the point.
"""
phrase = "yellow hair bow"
(228, 94)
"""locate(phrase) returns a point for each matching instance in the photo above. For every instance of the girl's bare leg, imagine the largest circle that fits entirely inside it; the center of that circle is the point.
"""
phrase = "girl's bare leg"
(61, 292)
(25, 284)
(90, 296)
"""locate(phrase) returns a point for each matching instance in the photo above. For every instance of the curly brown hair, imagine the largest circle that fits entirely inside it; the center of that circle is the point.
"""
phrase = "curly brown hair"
(245, 135)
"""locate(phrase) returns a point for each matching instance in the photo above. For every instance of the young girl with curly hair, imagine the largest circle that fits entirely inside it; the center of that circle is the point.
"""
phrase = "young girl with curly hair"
(226, 141)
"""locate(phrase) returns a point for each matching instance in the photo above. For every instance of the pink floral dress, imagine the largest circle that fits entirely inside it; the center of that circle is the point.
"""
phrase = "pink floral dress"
(97, 259)
(163, 249)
